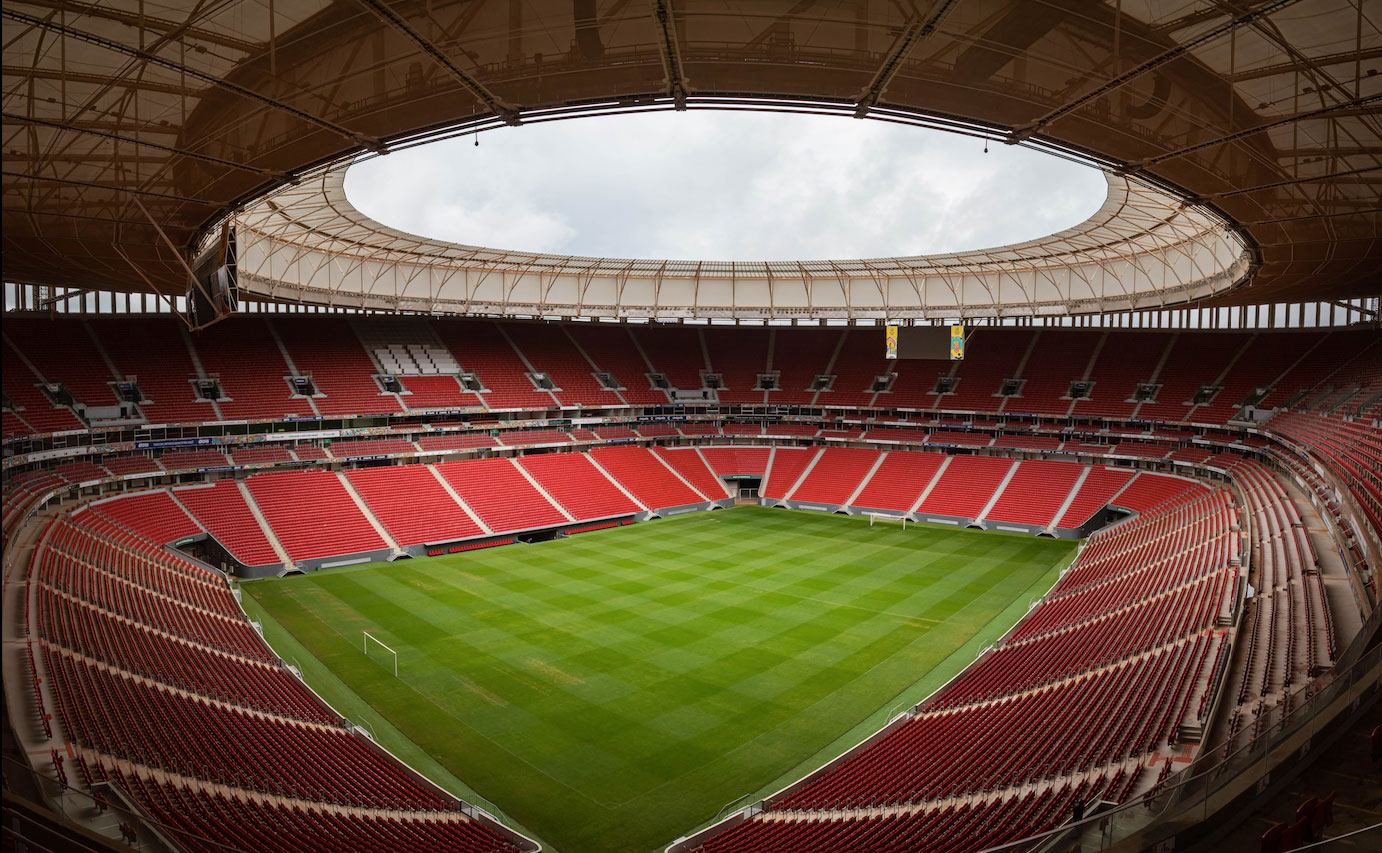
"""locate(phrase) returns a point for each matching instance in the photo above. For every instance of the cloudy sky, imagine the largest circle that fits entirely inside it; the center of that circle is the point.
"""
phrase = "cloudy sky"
(717, 185)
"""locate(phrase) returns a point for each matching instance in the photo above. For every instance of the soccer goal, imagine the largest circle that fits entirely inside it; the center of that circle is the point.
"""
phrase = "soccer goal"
(879, 517)
(383, 645)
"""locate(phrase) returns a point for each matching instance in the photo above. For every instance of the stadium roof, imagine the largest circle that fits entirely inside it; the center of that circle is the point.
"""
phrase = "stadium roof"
(1255, 128)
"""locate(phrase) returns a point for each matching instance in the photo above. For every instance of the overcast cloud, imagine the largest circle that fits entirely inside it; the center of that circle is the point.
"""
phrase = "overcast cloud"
(716, 185)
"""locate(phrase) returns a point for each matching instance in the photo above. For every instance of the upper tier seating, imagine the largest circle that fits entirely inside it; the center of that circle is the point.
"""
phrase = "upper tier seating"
(675, 352)
(551, 352)
(436, 392)
(34, 412)
(241, 351)
(327, 349)
(860, 360)
(153, 351)
(482, 349)
(799, 356)
(77, 365)
(612, 350)
(1126, 359)
(739, 356)
(1058, 357)
(244, 354)
(1209, 354)
(412, 504)
(334, 526)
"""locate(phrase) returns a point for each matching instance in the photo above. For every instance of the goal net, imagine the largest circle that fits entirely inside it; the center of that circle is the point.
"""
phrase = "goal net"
(885, 518)
(371, 639)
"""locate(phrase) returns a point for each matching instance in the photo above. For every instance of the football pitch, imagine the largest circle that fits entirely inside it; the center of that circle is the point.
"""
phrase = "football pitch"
(613, 690)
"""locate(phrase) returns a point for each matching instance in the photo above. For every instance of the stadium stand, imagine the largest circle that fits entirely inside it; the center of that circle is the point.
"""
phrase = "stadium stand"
(335, 526)
(179, 460)
(612, 351)
(739, 356)
(221, 509)
(412, 504)
(327, 350)
(462, 441)
(243, 355)
(1146, 602)
(33, 413)
(676, 353)
(77, 365)
(737, 460)
(641, 472)
(1036, 492)
(371, 447)
(577, 485)
(527, 437)
(694, 468)
(553, 353)
(1100, 487)
(261, 454)
(153, 352)
(122, 466)
(151, 514)
(437, 392)
(784, 468)
(836, 474)
(900, 480)
(966, 486)
(80, 471)
(498, 492)
(483, 349)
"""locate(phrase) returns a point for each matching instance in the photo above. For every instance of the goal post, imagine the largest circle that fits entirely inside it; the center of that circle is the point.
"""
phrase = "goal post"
(366, 641)
(883, 516)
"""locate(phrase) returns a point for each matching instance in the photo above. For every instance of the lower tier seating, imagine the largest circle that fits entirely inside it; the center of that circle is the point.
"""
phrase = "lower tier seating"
(412, 504)
(334, 526)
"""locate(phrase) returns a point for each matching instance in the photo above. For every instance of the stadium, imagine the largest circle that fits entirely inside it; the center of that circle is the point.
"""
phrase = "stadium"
(320, 534)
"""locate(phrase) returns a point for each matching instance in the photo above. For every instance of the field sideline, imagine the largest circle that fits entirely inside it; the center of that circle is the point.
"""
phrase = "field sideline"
(612, 690)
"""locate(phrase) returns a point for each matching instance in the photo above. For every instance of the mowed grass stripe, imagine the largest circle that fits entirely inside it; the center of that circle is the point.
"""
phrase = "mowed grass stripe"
(614, 689)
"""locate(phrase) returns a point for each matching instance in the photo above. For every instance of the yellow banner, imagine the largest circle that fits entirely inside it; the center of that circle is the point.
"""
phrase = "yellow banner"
(957, 342)
(891, 343)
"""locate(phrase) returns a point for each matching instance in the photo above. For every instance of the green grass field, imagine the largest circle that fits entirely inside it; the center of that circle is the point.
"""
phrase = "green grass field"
(615, 689)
